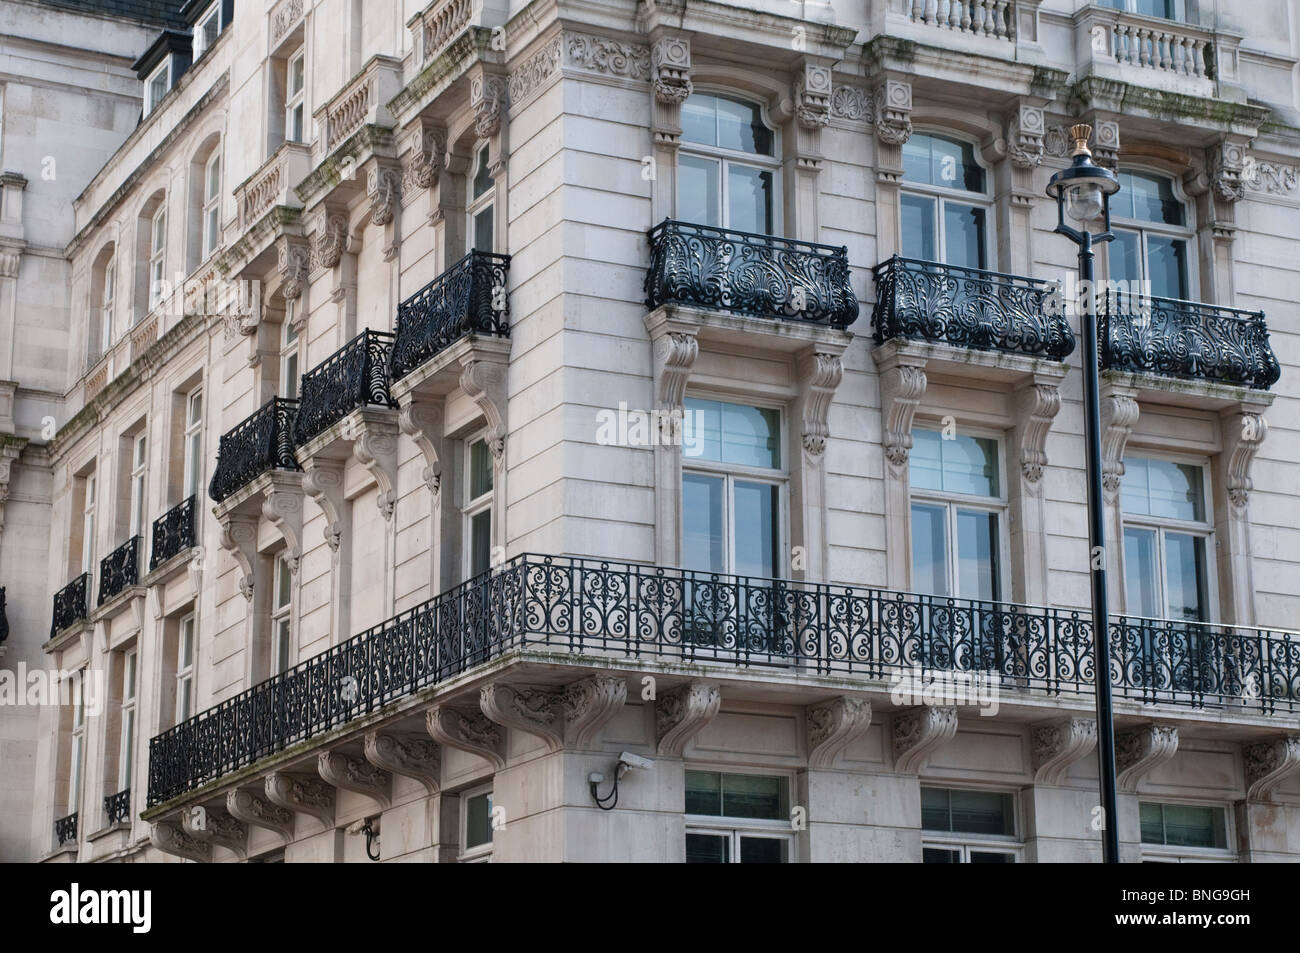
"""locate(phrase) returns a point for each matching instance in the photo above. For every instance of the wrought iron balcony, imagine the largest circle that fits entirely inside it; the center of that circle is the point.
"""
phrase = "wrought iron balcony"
(757, 275)
(467, 298)
(260, 443)
(356, 375)
(173, 533)
(65, 829)
(965, 307)
(630, 611)
(119, 570)
(71, 604)
(1185, 339)
(117, 807)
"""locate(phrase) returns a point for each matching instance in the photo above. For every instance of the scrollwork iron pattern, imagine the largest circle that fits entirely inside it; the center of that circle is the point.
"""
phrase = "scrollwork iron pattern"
(117, 807)
(173, 533)
(468, 298)
(119, 570)
(623, 611)
(356, 375)
(966, 307)
(760, 276)
(1186, 339)
(260, 443)
(71, 604)
(65, 829)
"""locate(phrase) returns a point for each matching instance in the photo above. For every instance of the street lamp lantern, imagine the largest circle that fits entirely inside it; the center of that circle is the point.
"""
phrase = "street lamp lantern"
(1082, 191)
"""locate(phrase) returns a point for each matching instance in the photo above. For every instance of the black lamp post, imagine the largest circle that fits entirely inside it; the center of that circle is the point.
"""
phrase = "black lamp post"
(1083, 193)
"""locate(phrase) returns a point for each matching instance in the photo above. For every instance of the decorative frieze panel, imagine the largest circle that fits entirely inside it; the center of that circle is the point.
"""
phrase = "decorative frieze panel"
(598, 54)
(1271, 178)
(852, 103)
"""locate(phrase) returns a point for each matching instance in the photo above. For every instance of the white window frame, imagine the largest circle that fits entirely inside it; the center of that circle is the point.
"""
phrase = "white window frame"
(107, 294)
(186, 630)
(157, 254)
(295, 101)
(290, 355)
(1143, 228)
(482, 203)
(88, 525)
(165, 69)
(76, 767)
(281, 616)
(999, 504)
(481, 853)
(993, 843)
(139, 486)
(725, 157)
(210, 219)
(128, 726)
(200, 46)
(943, 195)
(1192, 855)
(475, 506)
(738, 827)
(193, 443)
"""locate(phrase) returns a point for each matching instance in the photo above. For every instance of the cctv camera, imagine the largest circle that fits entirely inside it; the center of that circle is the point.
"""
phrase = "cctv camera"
(635, 761)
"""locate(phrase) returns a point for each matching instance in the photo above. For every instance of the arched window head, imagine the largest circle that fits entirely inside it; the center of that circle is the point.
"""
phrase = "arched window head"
(725, 123)
(942, 162)
(727, 170)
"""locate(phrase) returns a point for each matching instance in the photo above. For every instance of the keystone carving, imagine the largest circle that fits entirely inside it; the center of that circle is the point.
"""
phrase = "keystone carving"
(1269, 764)
(1059, 745)
(355, 774)
(920, 732)
(467, 732)
(1139, 752)
(535, 712)
(682, 714)
(416, 758)
(588, 706)
(255, 811)
(833, 726)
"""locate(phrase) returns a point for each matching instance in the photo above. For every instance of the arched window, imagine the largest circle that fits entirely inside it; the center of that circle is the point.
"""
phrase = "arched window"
(1152, 236)
(203, 190)
(944, 206)
(103, 298)
(211, 204)
(482, 196)
(727, 168)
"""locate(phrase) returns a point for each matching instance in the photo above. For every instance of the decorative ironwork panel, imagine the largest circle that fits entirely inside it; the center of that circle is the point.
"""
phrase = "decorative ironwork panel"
(71, 604)
(356, 375)
(262, 442)
(965, 307)
(117, 807)
(173, 533)
(757, 275)
(468, 298)
(65, 830)
(1186, 339)
(119, 570)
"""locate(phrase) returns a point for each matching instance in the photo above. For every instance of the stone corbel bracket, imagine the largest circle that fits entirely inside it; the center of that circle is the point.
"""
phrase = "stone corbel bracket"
(1269, 764)
(427, 144)
(1039, 403)
(302, 795)
(919, 733)
(422, 421)
(323, 481)
(417, 758)
(1244, 432)
(358, 775)
(488, 98)
(1141, 751)
(893, 101)
(902, 386)
(820, 373)
(295, 265)
(219, 827)
(239, 538)
(282, 508)
(682, 714)
(467, 732)
(674, 348)
(588, 706)
(255, 811)
(529, 710)
(833, 726)
(1026, 136)
(1060, 744)
(483, 379)
(670, 70)
(169, 838)
(376, 449)
(1119, 414)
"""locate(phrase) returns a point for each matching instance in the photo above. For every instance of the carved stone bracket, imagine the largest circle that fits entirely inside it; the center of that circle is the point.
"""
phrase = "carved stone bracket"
(355, 774)
(483, 379)
(682, 714)
(1243, 435)
(426, 157)
(422, 421)
(282, 508)
(893, 101)
(239, 538)
(588, 705)
(295, 265)
(812, 96)
(1269, 764)
(376, 449)
(674, 351)
(169, 838)
(488, 94)
(902, 385)
(1119, 412)
(1139, 752)
(670, 69)
(323, 481)
(1025, 138)
(820, 373)
(301, 794)
(524, 709)
(467, 732)
(1059, 745)
(384, 190)
(1226, 165)
(833, 726)
(410, 757)
(1039, 404)
(210, 823)
(329, 239)
(256, 811)
(918, 733)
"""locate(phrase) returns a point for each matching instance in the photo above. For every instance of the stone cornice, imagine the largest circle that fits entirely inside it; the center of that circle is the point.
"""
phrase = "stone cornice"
(1116, 96)
(886, 54)
(705, 19)
(358, 147)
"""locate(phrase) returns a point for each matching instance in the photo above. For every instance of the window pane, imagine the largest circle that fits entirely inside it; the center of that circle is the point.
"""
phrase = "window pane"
(702, 429)
(281, 661)
(753, 795)
(1156, 8)
(1152, 822)
(940, 855)
(1185, 577)
(1167, 263)
(480, 469)
(1125, 264)
(483, 236)
(1187, 825)
(482, 177)
(297, 72)
(749, 436)
(991, 857)
(935, 160)
(960, 465)
(478, 821)
(184, 704)
(918, 228)
(700, 119)
(763, 850)
(982, 812)
(213, 179)
(977, 555)
(1140, 572)
(128, 688)
(1163, 488)
(1148, 198)
(929, 550)
(963, 235)
(187, 644)
(480, 528)
(698, 190)
(704, 793)
(934, 809)
(916, 160)
(755, 522)
(925, 462)
(749, 199)
(282, 576)
(740, 127)
(708, 849)
(702, 532)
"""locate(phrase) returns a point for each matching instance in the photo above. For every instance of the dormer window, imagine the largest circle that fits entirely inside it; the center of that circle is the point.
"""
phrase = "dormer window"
(157, 86)
(207, 29)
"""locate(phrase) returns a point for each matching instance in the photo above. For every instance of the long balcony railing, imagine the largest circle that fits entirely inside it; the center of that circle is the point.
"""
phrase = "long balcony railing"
(759, 276)
(627, 611)
(173, 532)
(468, 298)
(356, 375)
(71, 604)
(991, 18)
(119, 570)
(117, 807)
(65, 830)
(1185, 339)
(966, 307)
(260, 443)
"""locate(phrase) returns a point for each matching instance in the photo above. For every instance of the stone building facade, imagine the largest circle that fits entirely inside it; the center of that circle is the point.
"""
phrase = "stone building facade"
(651, 431)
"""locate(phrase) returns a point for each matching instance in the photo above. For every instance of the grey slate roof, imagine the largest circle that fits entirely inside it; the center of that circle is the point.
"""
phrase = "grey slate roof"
(163, 13)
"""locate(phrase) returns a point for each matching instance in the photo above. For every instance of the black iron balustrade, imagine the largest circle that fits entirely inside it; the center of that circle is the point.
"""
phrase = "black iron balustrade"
(117, 807)
(260, 443)
(757, 275)
(65, 829)
(1185, 339)
(468, 298)
(119, 570)
(631, 611)
(4, 618)
(71, 604)
(356, 375)
(173, 533)
(970, 308)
